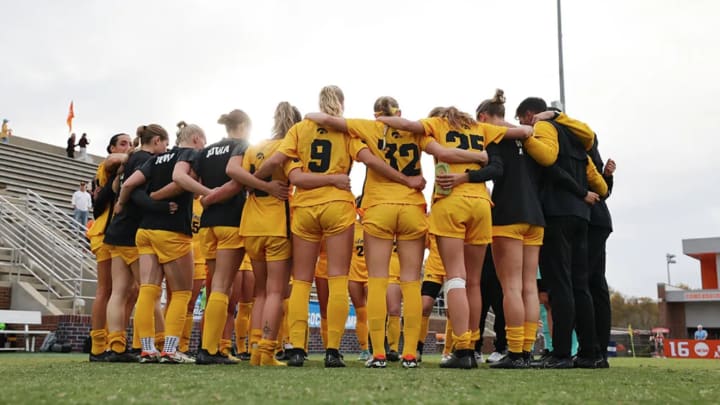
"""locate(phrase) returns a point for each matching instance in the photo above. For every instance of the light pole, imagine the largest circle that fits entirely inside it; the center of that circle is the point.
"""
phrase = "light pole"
(560, 57)
(670, 259)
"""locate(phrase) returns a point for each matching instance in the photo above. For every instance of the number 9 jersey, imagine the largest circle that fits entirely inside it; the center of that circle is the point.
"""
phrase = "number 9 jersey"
(315, 149)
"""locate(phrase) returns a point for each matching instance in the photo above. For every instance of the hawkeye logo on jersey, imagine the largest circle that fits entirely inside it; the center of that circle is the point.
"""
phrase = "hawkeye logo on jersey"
(395, 134)
(260, 156)
(162, 159)
(218, 150)
(322, 131)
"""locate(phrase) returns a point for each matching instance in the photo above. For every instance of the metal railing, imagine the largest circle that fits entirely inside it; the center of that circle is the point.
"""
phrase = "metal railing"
(58, 264)
(59, 221)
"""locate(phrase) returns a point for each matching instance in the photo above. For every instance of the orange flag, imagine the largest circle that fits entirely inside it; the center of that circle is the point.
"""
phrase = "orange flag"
(71, 115)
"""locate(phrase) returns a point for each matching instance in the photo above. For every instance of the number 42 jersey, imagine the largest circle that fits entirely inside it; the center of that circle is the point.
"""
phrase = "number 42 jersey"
(316, 149)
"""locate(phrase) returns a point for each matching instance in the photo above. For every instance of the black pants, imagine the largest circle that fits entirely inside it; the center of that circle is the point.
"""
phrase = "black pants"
(492, 297)
(564, 269)
(597, 237)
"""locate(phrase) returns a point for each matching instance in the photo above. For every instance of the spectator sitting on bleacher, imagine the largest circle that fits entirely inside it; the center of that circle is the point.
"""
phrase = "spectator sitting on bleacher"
(81, 203)
(71, 146)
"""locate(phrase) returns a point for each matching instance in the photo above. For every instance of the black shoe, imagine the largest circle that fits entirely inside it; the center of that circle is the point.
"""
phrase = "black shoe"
(99, 358)
(539, 362)
(244, 356)
(462, 359)
(333, 359)
(124, 357)
(602, 363)
(204, 358)
(135, 353)
(393, 356)
(419, 349)
(511, 361)
(281, 356)
(295, 357)
(557, 362)
(585, 362)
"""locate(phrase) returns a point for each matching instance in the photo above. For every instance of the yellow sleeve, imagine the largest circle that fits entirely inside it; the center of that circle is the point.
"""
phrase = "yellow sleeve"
(595, 179)
(431, 125)
(249, 155)
(289, 144)
(543, 146)
(101, 175)
(493, 133)
(290, 165)
(424, 141)
(359, 128)
(355, 145)
(580, 129)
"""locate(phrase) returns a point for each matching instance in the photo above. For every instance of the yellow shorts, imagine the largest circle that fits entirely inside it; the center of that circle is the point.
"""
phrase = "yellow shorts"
(321, 266)
(200, 272)
(166, 245)
(394, 269)
(358, 271)
(318, 221)
(220, 238)
(246, 264)
(461, 217)
(434, 269)
(129, 254)
(395, 221)
(99, 248)
(268, 248)
(531, 235)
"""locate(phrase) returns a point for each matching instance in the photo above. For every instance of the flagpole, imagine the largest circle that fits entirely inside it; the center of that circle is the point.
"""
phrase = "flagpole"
(560, 57)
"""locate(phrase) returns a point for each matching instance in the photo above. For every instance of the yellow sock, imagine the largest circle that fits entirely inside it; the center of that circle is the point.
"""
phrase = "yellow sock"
(361, 327)
(175, 319)
(298, 312)
(266, 348)
(393, 332)
(145, 315)
(424, 326)
(255, 337)
(242, 324)
(463, 341)
(215, 317)
(117, 341)
(324, 332)
(99, 341)
(515, 338)
(449, 341)
(412, 315)
(284, 335)
(530, 329)
(377, 312)
(225, 346)
(337, 311)
(474, 336)
(184, 345)
(136, 344)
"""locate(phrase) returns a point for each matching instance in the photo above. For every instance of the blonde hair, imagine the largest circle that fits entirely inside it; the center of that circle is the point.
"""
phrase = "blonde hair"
(386, 106)
(458, 119)
(186, 131)
(286, 115)
(436, 112)
(331, 100)
(233, 119)
(494, 107)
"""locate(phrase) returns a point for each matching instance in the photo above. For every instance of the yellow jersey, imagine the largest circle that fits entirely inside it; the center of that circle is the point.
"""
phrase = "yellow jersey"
(315, 149)
(357, 261)
(263, 214)
(197, 210)
(399, 149)
(246, 264)
(98, 227)
(475, 138)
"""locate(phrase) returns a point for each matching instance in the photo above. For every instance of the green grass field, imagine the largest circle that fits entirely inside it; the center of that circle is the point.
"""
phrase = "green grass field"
(69, 378)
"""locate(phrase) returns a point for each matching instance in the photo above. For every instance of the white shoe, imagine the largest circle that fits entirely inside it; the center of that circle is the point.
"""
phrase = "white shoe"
(478, 357)
(177, 357)
(494, 357)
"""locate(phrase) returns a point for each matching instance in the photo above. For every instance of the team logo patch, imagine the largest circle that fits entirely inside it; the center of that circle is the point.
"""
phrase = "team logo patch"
(395, 134)
(260, 156)
(702, 349)
(322, 131)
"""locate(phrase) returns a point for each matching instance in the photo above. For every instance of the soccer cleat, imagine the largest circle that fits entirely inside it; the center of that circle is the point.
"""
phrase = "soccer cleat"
(376, 362)
(333, 359)
(124, 357)
(100, 358)
(462, 359)
(420, 347)
(149, 357)
(296, 357)
(585, 362)
(244, 356)
(204, 357)
(478, 357)
(135, 353)
(494, 357)
(511, 361)
(281, 355)
(539, 362)
(409, 362)
(445, 357)
(393, 356)
(231, 358)
(554, 362)
(175, 358)
(602, 363)
(364, 355)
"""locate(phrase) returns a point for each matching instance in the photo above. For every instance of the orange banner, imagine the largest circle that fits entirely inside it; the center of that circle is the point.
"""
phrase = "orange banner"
(70, 116)
(692, 349)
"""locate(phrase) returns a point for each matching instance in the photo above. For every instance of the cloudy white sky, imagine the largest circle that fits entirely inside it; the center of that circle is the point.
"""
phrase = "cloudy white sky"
(641, 73)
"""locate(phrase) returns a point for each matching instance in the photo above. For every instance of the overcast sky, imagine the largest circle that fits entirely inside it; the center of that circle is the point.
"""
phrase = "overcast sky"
(642, 74)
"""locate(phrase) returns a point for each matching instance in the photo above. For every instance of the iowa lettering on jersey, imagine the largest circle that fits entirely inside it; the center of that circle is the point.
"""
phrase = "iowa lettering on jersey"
(466, 141)
(217, 150)
(162, 159)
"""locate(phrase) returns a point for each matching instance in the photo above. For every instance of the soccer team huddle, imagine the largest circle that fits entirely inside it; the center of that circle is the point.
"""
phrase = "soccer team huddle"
(258, 224)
